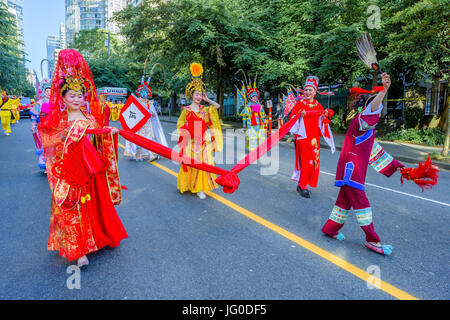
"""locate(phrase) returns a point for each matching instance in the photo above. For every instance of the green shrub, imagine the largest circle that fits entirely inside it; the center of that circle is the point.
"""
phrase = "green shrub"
(413, 116)
(429, 136)
(337, 121)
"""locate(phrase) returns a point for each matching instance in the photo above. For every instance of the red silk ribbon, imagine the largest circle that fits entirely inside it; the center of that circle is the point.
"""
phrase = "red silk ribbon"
(227, 179)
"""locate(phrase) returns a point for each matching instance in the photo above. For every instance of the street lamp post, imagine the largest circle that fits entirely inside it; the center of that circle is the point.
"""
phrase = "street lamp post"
(108, 43)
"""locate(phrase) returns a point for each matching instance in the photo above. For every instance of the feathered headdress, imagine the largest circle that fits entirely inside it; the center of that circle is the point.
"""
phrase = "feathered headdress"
(144, 90)
(250, 89)
(197, 83)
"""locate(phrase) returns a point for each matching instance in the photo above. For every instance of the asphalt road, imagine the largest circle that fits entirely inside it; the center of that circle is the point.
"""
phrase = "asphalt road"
(182, 247)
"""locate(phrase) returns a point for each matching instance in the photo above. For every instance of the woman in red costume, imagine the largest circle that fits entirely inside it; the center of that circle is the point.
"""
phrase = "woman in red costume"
(81, 166)
(309, 128)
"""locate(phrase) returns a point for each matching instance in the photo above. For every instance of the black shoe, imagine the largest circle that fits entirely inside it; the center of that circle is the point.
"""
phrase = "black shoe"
(304, 193)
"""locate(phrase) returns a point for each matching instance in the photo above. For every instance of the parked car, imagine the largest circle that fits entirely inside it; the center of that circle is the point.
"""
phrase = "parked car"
(25, 106)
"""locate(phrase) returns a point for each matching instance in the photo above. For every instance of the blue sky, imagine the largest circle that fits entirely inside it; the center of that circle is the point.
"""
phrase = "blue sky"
(41, 19)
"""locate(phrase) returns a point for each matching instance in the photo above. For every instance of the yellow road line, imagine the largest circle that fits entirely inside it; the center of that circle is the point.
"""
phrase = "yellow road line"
(363, 275)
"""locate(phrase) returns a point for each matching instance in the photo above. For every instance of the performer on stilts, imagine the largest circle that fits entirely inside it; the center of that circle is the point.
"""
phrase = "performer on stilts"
(195, 140)
(152, 129)
(313, 123)
(81, 166)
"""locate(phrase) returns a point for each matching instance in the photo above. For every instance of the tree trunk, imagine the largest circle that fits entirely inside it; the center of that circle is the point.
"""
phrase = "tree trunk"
(220, 91)
(447, 136)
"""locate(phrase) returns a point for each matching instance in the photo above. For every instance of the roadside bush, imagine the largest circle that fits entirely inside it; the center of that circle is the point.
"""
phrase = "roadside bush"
(413, 116)
(429, 136)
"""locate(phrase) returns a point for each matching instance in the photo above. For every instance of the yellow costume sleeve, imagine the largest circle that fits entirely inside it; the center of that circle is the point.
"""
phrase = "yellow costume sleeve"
(181, 120)
(215, 129)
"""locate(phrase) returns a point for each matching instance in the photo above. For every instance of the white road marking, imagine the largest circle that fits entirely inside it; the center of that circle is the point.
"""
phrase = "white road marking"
(380, 187)
(400, 192)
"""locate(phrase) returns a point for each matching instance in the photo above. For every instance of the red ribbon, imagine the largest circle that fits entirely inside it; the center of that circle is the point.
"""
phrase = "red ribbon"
(227, 179)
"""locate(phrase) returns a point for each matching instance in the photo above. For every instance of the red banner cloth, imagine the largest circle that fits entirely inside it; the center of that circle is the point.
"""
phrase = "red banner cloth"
(227, 179)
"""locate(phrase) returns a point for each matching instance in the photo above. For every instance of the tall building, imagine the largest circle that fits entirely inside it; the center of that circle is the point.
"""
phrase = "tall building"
(53, 43)
(134, 3)
(91, 14)
(62, 36)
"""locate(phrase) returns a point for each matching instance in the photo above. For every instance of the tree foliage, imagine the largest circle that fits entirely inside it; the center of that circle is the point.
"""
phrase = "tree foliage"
(284, 41)
(12, 69)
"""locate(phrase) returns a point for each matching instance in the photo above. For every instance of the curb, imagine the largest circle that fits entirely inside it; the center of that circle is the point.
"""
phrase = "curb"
(441, 165)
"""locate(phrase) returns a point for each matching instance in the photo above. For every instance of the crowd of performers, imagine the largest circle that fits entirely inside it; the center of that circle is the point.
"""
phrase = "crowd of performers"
(81, 153)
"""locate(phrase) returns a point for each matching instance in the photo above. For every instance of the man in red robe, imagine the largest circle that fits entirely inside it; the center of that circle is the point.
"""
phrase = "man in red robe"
(307, 131)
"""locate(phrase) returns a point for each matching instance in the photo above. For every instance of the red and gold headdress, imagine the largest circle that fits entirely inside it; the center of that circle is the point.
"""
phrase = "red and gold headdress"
(197, 83)
(72, 73)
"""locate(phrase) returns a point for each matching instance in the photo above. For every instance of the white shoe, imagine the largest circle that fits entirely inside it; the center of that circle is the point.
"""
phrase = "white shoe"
(201, 195)
(83, 261)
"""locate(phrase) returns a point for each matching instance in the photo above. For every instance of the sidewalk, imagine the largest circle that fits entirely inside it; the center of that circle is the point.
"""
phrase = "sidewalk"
(406, 152)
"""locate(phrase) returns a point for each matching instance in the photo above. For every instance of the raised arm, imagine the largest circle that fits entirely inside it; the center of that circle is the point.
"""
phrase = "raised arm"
(380, 96)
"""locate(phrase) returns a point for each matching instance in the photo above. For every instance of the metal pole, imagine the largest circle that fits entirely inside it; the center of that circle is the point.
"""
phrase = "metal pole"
(329, 89)
(109, 43)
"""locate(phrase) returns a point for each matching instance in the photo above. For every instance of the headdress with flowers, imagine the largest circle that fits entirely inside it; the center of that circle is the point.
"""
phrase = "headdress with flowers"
(197, 83)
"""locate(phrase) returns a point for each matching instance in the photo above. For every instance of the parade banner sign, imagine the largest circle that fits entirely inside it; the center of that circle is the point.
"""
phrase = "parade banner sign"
(133, 115)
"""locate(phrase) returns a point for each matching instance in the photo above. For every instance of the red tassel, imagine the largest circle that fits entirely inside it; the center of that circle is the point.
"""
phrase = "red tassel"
(425, 175)
(124, 188)
(356, 90)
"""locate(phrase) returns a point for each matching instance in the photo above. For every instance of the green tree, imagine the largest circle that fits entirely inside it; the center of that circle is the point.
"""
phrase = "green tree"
(12, 68)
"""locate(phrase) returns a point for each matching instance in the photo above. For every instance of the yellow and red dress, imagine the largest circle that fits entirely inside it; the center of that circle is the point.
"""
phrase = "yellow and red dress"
(199, 144)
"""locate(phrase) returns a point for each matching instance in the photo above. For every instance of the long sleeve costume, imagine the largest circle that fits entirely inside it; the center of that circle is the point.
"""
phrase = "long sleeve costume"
(358, 151)
(199, 144)
(307, 133)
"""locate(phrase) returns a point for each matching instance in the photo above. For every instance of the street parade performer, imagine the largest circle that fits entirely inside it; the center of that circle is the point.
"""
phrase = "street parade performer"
(152, 128)
(313, 123)
(358, 151)
(253, 115)
(81, 167)
(5, 113)
(43, 90)
(195, 141)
